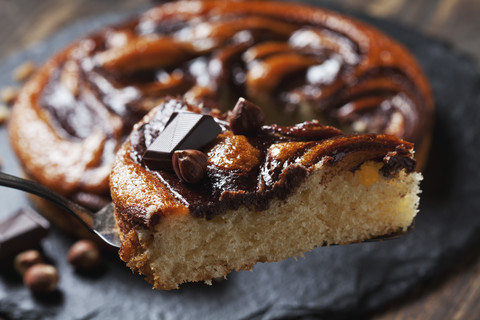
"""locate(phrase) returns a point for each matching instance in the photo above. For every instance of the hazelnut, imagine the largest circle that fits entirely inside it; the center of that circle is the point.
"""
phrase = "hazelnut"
(41, 278)
(24, 71)
(84, 255)
(189, 165)
(8, 94)
(25, 260)
(4, 113)
(246, 118)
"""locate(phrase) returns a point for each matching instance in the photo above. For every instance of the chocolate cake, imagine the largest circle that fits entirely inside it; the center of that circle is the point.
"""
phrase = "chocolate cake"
(269, 193)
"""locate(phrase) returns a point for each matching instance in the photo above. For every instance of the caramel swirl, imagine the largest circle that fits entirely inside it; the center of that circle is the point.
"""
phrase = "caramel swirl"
(298, 62)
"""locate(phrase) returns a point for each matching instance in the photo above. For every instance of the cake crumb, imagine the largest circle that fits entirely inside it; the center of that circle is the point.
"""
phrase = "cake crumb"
(208, 282)
(24, 71)
(4, 113)
(9, 94)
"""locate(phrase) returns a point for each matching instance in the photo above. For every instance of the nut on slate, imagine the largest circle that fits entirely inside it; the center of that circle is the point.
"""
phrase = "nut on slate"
(41, 278)
(189, 165)
(24, 71)
(246, 118)
(24, 260)
(9, 94)
(84, 255)
(4, 113)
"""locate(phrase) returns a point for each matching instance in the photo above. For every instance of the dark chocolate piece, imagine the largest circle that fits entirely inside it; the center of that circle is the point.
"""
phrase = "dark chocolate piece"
(21, 231)
(184, 130)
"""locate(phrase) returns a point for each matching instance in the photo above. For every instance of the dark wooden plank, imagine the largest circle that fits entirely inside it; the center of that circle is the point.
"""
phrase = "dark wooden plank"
(23, 22)
(454, 296)
(453, 20)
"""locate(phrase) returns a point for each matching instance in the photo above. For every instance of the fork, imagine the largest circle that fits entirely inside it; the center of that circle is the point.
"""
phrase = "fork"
(101, 223)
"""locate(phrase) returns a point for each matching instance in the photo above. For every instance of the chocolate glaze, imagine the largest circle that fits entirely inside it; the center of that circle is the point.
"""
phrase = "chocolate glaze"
(297, 62)
(253, 170)
(397, 160)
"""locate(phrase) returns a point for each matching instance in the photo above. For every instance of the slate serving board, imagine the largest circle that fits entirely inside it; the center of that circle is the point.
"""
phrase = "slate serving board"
(331, 282)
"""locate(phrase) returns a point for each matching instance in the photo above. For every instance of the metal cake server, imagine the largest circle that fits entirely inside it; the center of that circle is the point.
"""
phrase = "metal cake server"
(101, 223)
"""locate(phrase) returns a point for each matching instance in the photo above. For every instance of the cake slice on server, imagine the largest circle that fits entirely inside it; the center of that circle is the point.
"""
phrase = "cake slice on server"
(252, 192)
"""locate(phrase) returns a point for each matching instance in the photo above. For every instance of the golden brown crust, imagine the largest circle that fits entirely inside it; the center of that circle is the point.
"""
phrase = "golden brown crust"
(56, 162)
(135, 189)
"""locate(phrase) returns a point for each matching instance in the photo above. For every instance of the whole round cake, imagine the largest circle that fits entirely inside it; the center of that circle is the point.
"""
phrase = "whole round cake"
(298, 62)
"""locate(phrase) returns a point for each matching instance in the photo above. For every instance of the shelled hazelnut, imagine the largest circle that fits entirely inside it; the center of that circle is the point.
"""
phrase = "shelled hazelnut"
(41, 278)
(23, 261)
(24, 71)
(189, 165)
(4, 113)
(84, 255)
(8, 94)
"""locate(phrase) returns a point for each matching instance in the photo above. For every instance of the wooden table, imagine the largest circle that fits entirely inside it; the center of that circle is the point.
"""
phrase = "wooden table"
(457, 294)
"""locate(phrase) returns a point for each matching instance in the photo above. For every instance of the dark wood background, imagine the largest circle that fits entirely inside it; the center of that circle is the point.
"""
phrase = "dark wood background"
(454, 296)
(458, 21)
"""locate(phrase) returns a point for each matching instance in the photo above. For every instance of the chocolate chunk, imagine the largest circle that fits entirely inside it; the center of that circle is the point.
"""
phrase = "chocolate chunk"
(184, 130)
(21, 231)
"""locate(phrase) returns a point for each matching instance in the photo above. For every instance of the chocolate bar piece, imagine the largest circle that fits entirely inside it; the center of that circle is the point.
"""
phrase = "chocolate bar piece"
(184, 130)
(23, 230)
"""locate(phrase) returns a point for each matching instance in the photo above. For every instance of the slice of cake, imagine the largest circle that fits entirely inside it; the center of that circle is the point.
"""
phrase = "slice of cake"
(264, 195)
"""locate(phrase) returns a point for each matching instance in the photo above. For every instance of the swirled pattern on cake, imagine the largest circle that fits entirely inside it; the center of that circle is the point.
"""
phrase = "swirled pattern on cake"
(298, 62)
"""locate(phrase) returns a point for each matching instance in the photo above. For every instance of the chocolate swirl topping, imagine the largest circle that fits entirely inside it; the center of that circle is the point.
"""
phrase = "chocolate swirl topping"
(298, 62)
(244, 170)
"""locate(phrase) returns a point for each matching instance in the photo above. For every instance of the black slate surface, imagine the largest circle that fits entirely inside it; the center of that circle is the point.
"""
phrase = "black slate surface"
(329, 282)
